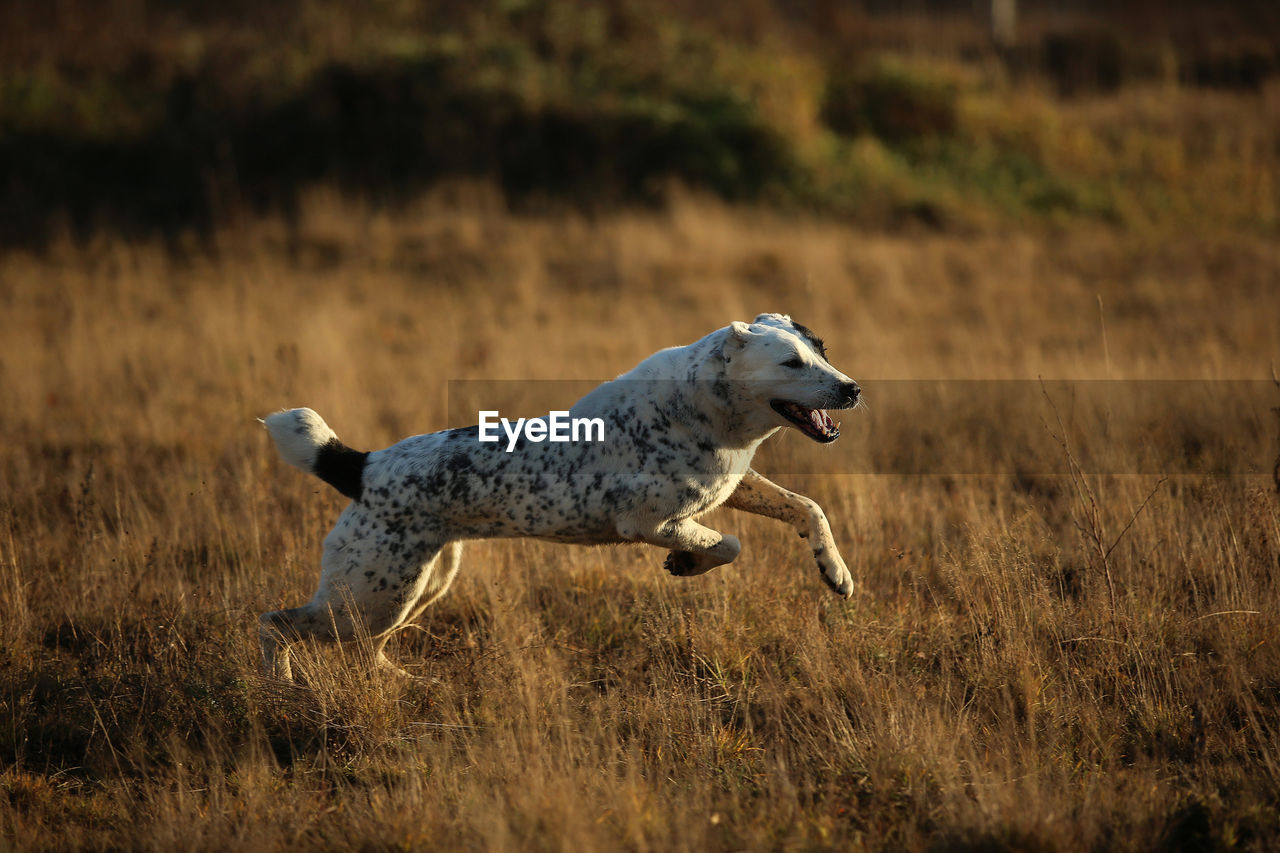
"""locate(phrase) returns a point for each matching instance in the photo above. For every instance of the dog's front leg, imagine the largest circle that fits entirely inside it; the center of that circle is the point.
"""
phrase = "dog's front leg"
(761, 496)
(695, 549)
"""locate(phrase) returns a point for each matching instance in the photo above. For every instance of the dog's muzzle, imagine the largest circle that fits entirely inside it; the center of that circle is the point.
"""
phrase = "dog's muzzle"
(850, 390)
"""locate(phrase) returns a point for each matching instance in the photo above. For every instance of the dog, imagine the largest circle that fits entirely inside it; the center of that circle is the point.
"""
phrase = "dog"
(680, 431)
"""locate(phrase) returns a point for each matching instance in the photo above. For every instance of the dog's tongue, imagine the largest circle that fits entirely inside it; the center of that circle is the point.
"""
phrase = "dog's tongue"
(823, 421)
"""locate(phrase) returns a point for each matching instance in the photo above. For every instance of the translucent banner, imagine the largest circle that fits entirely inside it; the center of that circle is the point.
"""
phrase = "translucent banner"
(953, 427)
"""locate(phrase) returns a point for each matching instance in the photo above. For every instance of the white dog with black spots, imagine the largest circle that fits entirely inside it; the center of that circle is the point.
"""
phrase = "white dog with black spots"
(681, 429)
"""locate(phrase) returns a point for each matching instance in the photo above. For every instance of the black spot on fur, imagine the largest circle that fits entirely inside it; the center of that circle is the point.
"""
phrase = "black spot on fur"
(807, 333)
(341, 467)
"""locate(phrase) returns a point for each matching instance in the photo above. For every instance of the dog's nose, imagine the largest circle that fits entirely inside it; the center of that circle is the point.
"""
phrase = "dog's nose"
(850, 391)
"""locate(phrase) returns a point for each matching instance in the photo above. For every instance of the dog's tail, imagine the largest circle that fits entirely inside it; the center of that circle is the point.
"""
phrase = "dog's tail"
(306, 442)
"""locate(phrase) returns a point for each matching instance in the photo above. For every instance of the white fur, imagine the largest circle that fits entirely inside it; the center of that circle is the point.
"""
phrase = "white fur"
(299, 434)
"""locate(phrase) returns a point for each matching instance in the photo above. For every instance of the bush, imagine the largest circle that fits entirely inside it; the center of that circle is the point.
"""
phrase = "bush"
(1085, 62)
(384, 130)
(890, 100)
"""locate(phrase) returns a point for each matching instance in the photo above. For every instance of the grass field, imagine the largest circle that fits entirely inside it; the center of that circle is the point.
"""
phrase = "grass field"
(1027, 664)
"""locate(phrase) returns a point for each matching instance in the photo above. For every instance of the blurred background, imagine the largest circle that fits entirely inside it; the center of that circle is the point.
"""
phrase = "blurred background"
(148, 117)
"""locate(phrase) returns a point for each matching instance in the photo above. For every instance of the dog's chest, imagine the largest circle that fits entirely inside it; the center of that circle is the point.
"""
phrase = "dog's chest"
(718, 492)
(711, 484)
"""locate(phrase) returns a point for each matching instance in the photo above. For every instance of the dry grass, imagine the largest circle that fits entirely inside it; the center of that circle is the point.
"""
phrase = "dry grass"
(982, 690)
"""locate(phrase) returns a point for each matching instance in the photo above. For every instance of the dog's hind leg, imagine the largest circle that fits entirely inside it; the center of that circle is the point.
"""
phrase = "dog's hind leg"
(364, 591)
(280, 627)
(441, 578)
(275, 646)
(695, 549)
(436, 582)
(756, 494)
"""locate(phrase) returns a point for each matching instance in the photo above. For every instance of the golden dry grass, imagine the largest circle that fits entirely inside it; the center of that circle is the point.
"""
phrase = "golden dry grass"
(982, 690)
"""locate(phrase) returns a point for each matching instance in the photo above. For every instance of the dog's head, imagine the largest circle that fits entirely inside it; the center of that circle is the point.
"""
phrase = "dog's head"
(782, 367)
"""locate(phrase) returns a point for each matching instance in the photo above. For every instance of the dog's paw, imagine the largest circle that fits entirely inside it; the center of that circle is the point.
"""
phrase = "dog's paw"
(842, 588)
(834, 572)
(683, 564)
(387, 667)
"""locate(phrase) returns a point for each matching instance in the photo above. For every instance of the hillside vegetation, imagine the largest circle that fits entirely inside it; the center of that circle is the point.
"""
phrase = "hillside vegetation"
(178, 117)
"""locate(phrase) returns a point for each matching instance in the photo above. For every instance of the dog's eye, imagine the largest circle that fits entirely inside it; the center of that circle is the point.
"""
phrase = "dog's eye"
(794, 361)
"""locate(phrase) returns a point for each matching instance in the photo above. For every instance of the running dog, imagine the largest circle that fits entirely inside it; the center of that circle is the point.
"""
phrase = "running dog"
(680, 431)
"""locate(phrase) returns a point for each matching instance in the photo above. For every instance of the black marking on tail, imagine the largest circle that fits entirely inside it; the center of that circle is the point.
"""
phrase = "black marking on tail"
(341, 467)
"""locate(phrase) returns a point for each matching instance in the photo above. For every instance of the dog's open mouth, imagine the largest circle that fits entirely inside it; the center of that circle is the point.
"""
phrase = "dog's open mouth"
(815, 423)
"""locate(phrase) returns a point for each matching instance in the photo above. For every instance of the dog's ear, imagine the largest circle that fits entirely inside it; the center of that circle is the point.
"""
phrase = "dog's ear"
(739, 332)
(773, 319)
